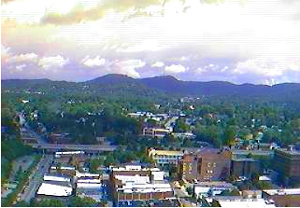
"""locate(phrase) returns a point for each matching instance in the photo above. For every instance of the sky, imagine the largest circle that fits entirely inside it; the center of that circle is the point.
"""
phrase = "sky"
(240, 41)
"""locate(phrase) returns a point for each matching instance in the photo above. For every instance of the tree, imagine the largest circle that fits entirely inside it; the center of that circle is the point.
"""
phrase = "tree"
(181, 126)
(48, 203)
(189, 190)
(215, 203)
(95, 163)
(233, 192)
(82, 202)
(230, 133)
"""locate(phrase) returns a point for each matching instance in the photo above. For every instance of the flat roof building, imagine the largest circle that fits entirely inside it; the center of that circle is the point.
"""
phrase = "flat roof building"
(283, 197)
(286, 163)
(139, 185)
(206, 165)
(55, 188)
(165, 157)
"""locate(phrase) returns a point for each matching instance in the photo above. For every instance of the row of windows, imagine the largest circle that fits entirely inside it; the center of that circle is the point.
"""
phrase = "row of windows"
(211, 165)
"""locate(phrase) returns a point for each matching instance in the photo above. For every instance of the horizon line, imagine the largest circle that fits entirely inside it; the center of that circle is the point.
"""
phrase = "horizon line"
(87, 80)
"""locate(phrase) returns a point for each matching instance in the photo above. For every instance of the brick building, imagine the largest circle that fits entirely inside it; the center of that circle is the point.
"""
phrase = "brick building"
(206, 165)
(244, 167)
(286, 163)
(137, 184)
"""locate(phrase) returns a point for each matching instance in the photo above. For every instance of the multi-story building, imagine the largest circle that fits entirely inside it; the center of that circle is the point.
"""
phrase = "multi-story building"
(286, 162)
(206, 165)
(137, 184)
(165, 157)
(244, 167)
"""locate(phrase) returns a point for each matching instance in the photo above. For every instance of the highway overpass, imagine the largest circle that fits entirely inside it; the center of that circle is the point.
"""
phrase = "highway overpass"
(74, 147)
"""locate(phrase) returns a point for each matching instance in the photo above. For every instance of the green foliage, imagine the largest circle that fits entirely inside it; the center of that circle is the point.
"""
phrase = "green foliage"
(95, 163)
(82, 202)
(189, 190)
(8, 201)
(215, 203)
(49, 203)
(230, 133)
(233, 192)
(181, 126)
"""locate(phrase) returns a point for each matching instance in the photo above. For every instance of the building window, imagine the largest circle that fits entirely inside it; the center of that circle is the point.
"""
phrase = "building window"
(208, 165)
(215, 164)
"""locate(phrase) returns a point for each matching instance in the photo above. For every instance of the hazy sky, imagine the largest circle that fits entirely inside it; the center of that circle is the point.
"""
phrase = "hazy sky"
(254, 41)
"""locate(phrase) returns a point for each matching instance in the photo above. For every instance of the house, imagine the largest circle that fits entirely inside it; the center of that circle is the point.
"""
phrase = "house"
(187, 135)
(165, 157)
(155, 132)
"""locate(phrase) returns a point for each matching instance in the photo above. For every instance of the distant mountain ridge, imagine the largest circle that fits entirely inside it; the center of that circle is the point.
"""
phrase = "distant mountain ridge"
(171, 85)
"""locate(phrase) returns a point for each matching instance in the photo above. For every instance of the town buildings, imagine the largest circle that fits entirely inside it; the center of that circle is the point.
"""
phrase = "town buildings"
(139, 184)
(206, 165)
(283, 197)
(286, 163)
(244, 167)
(89, 185)
(155, 132)
(211, 188)
(165, 157)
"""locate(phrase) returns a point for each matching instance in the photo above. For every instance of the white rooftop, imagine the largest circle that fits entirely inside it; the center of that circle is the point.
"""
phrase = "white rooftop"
(294, 191)
(50, 189)
(245, 203)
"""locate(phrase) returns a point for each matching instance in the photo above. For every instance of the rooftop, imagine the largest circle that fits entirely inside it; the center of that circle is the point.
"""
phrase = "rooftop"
(166, 152)
(294, 191)
(291, 152)
(245, 203)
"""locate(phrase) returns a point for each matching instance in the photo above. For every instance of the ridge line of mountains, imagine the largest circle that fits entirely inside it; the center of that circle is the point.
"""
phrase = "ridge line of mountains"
(169, 85)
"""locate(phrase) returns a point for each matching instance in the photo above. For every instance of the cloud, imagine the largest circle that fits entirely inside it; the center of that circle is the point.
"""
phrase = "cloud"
(52, 62)
(20, 67)
(81, 14)
(129, 67)
(89, 62)
(31, 57)
(158, 64)
(270, 69)
(175, 69)
(6, 1)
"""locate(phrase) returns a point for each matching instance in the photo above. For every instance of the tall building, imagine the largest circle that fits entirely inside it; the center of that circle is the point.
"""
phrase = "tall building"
(206, 165)
(286, 162)
(244, 167)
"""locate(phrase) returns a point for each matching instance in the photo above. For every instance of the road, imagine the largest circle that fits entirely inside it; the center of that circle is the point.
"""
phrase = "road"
(36, 178)
(82, 147)
(42, 144)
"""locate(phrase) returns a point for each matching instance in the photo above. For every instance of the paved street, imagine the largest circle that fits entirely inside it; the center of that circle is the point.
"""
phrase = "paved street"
(42, 144)
(36, 178)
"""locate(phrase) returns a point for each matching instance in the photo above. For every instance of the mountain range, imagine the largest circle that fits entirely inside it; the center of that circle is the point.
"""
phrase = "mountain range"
(164, 84)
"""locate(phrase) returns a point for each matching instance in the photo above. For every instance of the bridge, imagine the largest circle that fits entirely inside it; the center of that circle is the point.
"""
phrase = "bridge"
(74, 147)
